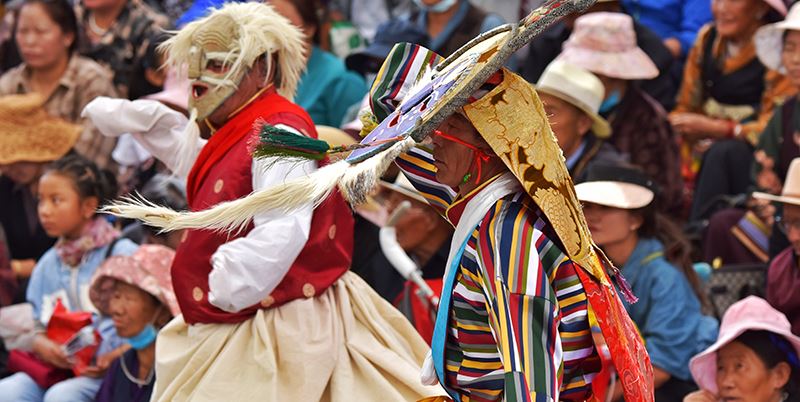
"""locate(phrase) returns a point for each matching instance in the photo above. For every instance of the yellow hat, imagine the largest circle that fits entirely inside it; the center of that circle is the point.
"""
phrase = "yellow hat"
(527, 146)
(29, 134)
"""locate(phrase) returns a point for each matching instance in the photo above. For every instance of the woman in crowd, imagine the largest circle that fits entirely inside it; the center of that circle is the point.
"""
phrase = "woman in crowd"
(31, 139)
(605, 44)
(70, 192)
(754, 359)
(778, 48)
(727, 95)
(327, 89)
(122, 35)
(136, 292)
(655, 259)
(47, 34)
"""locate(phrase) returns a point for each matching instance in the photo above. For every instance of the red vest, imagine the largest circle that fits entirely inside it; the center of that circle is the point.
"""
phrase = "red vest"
(325, 257)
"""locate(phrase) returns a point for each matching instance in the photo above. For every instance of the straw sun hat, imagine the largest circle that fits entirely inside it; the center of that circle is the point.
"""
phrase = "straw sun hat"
(617, 187)
(578, 87)
(791, 187)
(29, 134)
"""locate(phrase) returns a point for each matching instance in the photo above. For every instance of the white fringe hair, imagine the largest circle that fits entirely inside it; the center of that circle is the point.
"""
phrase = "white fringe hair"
(260, 30)
(355, 183)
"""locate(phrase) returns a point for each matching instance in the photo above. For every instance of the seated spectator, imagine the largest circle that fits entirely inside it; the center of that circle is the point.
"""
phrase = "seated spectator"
(326, 89)
(675, 21)
(122, 35)
(572, 97)
(70, 192)
(655, 259)
(421, 231)
(605, 44)
(136, 291)
(164, 190)
(451, 23)
(727, 95)
(546, 46)
(778, 48)
(755, 357)
(46, 35)
(31, 139)
(783, 276)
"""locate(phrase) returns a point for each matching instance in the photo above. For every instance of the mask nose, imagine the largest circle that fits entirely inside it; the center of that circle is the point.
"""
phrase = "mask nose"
(195, 63)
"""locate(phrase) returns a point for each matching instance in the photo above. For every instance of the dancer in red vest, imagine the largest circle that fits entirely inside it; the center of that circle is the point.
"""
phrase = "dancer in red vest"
(269, 312)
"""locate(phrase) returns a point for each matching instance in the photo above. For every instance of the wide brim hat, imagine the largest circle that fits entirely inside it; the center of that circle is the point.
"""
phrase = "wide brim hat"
(148, 268)
(414, 86)
(616, 186)
(791, 187)
(403, 186)
(769, 39)
(749, 314)
(29, 134)
(578, 87)
(605, 43)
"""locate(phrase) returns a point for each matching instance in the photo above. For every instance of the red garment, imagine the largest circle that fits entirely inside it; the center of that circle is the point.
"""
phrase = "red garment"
(618, 343)
(783, 280)
(221, 173)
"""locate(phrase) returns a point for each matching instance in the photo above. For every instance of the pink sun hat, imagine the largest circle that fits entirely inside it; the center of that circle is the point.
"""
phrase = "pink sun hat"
(749, 314)
(605, 43)
(148, 269)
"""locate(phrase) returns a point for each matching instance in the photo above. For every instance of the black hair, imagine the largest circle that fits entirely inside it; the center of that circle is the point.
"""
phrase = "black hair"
(773, 349)
(309, 11)
(677, 248)
(89, 180)
(62, 13)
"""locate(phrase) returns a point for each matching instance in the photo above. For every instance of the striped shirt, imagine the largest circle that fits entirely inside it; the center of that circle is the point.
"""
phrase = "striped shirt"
(518, 326)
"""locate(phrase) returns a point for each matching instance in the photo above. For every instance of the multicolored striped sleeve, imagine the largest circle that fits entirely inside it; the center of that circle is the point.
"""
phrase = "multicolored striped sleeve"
(417, 165)
(516, 257)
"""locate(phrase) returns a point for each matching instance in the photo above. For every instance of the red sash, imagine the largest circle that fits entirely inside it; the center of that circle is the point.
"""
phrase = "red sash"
(618, 343)
(230, 134)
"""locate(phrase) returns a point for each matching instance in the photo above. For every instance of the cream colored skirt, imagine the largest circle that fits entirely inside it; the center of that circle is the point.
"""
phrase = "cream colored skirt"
(347, 344)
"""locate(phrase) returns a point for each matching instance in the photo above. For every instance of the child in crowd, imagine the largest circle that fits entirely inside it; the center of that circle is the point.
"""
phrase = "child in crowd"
(69, 193)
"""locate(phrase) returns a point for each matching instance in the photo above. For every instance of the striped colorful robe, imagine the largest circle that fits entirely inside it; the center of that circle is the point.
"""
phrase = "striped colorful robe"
(518, 327)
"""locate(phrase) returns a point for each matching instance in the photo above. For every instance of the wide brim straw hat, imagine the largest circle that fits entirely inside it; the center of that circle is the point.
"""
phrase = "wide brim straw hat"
(404, 187)
(605, 43)
(769, 39)
(148, 268)
(749, 314)
(617, 187)
(791, 187)
(29, 134)
(578, 87)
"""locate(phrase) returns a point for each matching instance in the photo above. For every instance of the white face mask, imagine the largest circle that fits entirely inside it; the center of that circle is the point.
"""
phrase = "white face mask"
(439, 7)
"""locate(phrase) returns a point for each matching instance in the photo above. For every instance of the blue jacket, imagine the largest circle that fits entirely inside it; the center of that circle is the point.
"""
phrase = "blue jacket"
(668, 312)
(328, 89)
(680, 19)
(52, 280)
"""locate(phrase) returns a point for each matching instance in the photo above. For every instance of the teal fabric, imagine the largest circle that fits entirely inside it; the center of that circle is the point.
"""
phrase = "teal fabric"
(327, 89)
(668, 312)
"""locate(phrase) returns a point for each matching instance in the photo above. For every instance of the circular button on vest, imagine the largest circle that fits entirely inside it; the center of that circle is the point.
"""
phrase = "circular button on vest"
(308, 290)
(218, 185)
(268, 301)
(332, 232)
(197, 294)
